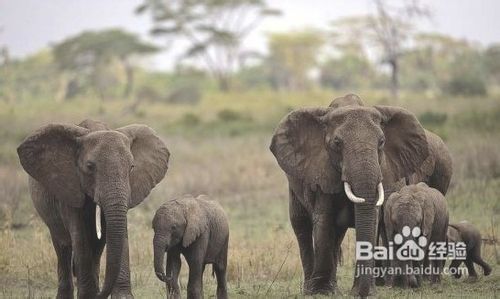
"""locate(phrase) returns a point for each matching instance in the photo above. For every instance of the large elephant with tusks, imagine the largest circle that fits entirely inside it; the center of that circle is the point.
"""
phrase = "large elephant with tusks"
(341, 162)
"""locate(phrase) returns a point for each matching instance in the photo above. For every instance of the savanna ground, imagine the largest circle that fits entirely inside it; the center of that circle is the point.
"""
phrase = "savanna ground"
(220, 147)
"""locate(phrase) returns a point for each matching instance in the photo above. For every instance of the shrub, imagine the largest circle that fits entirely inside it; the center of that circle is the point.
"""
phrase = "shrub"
(190, 119)
(186, 94)
(228, 115)
(433, 119)
(466, 84)
(486, 121)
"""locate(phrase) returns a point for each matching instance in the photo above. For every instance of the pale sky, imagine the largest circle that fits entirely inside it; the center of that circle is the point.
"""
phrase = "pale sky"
(27, 26)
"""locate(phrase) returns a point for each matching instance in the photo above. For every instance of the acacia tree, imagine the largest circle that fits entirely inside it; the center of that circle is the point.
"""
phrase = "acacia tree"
(291, 56)
(391, 27)
(212, 29)
(387, 31)
(90, 53)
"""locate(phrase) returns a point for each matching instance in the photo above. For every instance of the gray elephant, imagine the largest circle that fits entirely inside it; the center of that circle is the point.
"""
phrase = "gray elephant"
(198, 229)
(466, 232)
(77, 171)
(338, 161)
(416, 215)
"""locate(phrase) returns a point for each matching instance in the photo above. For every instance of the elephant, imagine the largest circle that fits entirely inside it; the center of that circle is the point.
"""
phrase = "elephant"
(82, 176)
(338, 161)
(417, 215)
(198, 229)
(465, 232)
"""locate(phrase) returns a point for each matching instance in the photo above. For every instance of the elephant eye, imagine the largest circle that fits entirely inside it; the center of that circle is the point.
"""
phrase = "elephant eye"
(337, 142)
(381, 142)
(173, 227)
(132, 167)
(90, 166)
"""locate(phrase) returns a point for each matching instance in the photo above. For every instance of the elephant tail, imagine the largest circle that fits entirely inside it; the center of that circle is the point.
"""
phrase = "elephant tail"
(213, 270)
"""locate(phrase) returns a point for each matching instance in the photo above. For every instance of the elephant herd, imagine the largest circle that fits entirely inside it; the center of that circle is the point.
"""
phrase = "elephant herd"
(342, 163)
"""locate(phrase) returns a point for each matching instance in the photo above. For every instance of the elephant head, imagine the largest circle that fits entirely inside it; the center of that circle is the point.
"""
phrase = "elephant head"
(346, 148)
(176, 222)
(116, 169)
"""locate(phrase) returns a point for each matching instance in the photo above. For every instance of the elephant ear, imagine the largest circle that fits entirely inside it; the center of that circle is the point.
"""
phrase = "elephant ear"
(300, 149)
(150, 160)
(406, 146)
(196, 222)
(49, 155)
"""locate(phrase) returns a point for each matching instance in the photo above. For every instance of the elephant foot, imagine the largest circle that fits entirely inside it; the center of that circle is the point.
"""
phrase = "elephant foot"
(64, 293)
(320, 287)
(355, 291)
(413, 282)
(122, 295)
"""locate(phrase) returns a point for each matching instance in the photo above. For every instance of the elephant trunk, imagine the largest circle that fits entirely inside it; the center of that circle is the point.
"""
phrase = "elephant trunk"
(115, 215)
(365, 223)
(363, 177)
(159, 254)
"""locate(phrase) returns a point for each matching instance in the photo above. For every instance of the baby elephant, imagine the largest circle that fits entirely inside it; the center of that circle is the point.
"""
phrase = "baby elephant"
(197, 228)
(467, 233)
(414, 217)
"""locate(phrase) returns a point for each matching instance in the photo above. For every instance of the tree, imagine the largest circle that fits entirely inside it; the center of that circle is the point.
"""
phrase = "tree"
(292, 56)
(388, 31)
(391, 26)
(432, 60)
(90, 53)
(213, 29)
(347, 71)
(492, 62)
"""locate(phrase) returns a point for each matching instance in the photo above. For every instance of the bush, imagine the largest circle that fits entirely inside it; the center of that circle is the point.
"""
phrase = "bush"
(433, 119)
(466, 84)
(186, 94)
(190, 119)
(228, 115)
(485, 121)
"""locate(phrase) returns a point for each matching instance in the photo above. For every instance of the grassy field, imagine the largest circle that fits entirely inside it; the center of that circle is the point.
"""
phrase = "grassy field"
(220, 147)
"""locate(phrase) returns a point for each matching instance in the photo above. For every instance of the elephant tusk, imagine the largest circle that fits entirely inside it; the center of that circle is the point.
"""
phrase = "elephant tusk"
(98, 221)
(380, 189)
(351, 195)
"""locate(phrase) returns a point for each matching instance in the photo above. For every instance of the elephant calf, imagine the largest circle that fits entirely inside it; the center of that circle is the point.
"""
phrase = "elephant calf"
(197, 228)
(414, 217)
(467, 233)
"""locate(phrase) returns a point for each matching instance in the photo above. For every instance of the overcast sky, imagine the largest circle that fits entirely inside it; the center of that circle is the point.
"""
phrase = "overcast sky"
(27, 26)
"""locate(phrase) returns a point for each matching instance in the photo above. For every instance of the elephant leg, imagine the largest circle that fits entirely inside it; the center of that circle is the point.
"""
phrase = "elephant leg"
(338, 237)
(83, 253)
(470, 268)
(323, 253)
(122, 288)
(436, 271)
(220, 273)
(454, 268)
(476, 257)
(195, 282)
(302, 227)
(172, 270)
(65, 277)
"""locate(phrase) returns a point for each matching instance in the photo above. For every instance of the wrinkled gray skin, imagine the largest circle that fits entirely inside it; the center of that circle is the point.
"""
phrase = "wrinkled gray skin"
(416, 206)
(320, 148)
(198, 229)
(467, 233)
(73, 168)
